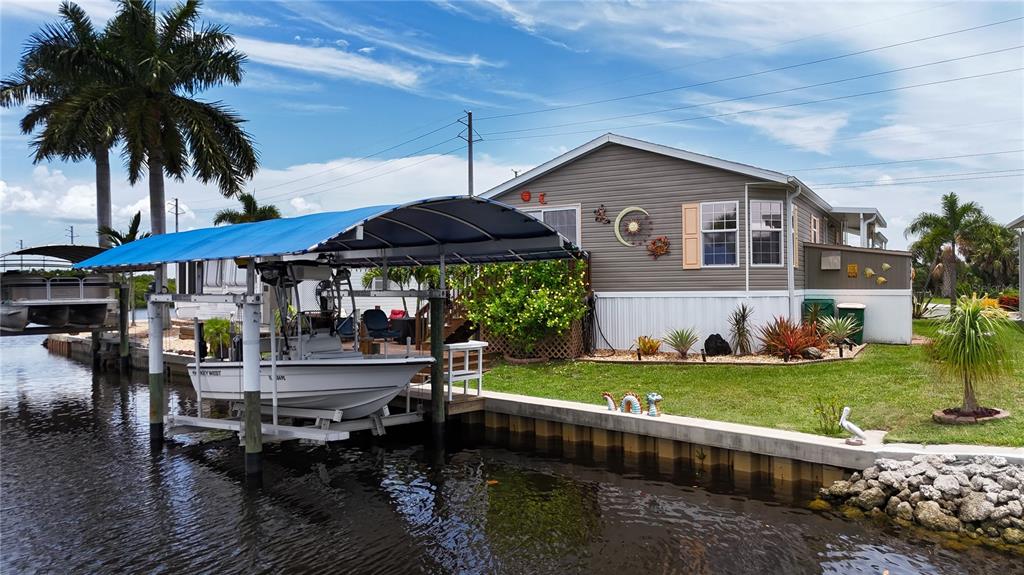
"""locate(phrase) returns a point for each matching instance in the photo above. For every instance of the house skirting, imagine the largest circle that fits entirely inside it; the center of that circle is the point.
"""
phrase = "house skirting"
(623, 316)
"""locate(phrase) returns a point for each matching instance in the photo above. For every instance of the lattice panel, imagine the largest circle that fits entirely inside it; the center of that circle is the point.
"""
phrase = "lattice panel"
(566, 346)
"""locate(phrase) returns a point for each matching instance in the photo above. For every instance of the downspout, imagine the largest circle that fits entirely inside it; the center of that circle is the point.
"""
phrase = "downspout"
(791, 241)
(864, 230)
(746, 251)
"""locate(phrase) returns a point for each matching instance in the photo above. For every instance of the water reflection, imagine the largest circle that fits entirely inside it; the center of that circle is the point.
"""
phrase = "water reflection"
(80, 491)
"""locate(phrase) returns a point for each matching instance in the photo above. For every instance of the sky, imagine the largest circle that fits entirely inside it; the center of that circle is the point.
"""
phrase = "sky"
(886, 105)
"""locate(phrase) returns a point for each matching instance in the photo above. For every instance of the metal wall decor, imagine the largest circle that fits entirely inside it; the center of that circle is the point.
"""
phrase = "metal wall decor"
(632, 226)
(601, 215)
(658, 247)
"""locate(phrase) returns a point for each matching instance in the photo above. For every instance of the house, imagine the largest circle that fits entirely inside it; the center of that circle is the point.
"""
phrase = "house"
(1018, 225)
(734, 233)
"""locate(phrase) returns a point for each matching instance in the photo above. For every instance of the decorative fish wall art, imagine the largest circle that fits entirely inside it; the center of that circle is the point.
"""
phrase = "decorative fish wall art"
(886, 267)
(868, 272)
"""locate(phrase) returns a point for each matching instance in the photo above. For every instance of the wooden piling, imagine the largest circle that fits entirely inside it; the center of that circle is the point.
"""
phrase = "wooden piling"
(437, 401)
(123, 311)
(156, 375)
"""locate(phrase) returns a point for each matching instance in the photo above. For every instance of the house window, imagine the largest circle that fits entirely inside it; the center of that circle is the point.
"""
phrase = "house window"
(765, 233)
(565, 220)
(718, 225)
(815, 230)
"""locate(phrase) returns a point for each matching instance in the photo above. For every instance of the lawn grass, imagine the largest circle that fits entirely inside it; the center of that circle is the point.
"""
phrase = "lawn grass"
(890, 387)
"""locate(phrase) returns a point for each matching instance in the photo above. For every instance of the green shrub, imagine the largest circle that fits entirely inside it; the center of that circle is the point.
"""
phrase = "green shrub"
(786, 339)
(838, 329)
(647, 345)
(681, 340)
(217, 331)
(527, 302)
(740, 330)
(827, 412)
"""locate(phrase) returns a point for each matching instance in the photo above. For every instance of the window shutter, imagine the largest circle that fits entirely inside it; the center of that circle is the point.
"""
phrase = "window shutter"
(796, 236)
(691, 236)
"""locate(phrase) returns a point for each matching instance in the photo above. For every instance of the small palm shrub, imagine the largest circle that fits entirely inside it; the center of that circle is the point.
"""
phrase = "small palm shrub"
(814, 314)
(646, 345)
(681, 340)
(740, 330)
(217, 331)
(971, 347)
(838, 329)
(1009, 301)
(787, 339)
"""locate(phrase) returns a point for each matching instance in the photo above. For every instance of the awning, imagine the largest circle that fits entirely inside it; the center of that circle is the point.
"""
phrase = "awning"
(463, 229)
(69, 252)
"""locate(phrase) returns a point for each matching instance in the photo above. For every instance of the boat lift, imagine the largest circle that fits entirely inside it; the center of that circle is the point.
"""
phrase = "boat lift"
(455, 229)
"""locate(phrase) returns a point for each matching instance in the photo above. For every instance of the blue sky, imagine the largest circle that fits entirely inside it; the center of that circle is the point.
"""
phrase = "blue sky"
(328, 83)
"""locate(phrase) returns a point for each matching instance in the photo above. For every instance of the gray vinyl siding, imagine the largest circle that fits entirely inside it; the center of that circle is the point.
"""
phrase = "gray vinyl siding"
(619, 177)
(805, 210)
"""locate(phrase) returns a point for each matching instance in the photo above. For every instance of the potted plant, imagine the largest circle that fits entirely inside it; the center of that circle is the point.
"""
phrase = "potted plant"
(971, 346)
(217, 332)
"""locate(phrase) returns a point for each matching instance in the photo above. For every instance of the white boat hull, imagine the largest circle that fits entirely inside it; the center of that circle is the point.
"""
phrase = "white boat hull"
(357, 386)
(13, 318)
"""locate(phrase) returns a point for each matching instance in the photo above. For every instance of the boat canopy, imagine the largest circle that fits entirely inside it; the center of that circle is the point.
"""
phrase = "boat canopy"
(69, 252)
(463, 229)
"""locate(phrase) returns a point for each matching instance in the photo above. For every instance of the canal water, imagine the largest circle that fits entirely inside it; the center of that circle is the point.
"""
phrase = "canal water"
(80, 492)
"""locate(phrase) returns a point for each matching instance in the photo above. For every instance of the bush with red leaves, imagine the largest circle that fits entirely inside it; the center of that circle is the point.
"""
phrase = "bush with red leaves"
(787, 339)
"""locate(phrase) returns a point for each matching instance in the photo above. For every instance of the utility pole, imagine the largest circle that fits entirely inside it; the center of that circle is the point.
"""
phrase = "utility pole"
(181, 271)
(71, 234)
(470, 137)
(21, 259)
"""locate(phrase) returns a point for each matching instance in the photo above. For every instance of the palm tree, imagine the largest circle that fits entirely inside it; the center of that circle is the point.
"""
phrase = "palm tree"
(117, 238)
(58, 62)
(957, 225)
(251, 212)
(993, 255)
(971, 345)
(160, 64)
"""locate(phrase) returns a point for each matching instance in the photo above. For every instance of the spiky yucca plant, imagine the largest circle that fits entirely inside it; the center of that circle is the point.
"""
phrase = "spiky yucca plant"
(681, 340)
(740, 333)
(971, 346)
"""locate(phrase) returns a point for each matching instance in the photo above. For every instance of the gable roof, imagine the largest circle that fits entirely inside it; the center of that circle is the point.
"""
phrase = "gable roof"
(599, 142)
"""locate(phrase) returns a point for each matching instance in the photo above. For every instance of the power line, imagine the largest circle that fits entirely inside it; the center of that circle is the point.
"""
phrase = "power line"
(939, 181)
(360, 159)
(822, 168)
(371, 168)
(778, 107)
(762, 94)
(751, 51)
(750, 74)
(958, 174)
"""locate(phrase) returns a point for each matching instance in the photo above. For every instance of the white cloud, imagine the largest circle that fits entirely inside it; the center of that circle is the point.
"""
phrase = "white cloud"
(265, 81)
(367, 50)
(329, 62)
(99, 10)
(403, 42)
(301, 206)
(312, 108)
(238, 18)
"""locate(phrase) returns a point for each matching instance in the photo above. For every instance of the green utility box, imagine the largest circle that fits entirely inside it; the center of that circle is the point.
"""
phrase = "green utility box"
(827, 306)
(857, 311)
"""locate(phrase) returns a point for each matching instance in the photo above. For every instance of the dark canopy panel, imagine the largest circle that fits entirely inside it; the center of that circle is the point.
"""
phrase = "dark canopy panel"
(71, 253)
(463, 229)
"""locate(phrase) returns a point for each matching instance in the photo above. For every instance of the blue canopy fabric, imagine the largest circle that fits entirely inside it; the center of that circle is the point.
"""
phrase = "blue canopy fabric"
(470, 230)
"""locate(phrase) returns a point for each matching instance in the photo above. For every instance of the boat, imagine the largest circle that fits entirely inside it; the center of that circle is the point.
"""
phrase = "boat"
(13, 318)
(358, 386)
(59, 302)
(313, 369)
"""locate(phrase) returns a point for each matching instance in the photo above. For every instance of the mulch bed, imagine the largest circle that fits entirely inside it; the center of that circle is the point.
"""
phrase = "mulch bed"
(952, 415)
(621, 356)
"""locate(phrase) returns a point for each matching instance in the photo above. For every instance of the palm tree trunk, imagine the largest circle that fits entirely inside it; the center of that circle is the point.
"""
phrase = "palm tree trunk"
(101, 154)
(949, 273)
(157, 217)
(970, 400)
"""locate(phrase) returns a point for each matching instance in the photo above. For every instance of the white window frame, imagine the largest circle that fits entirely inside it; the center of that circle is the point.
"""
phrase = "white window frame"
(538, 214)
(815, 229)
(736, 231)
(781, 232)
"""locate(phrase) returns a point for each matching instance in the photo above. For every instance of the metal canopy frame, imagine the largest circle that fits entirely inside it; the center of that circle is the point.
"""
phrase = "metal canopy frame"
(463, 229)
